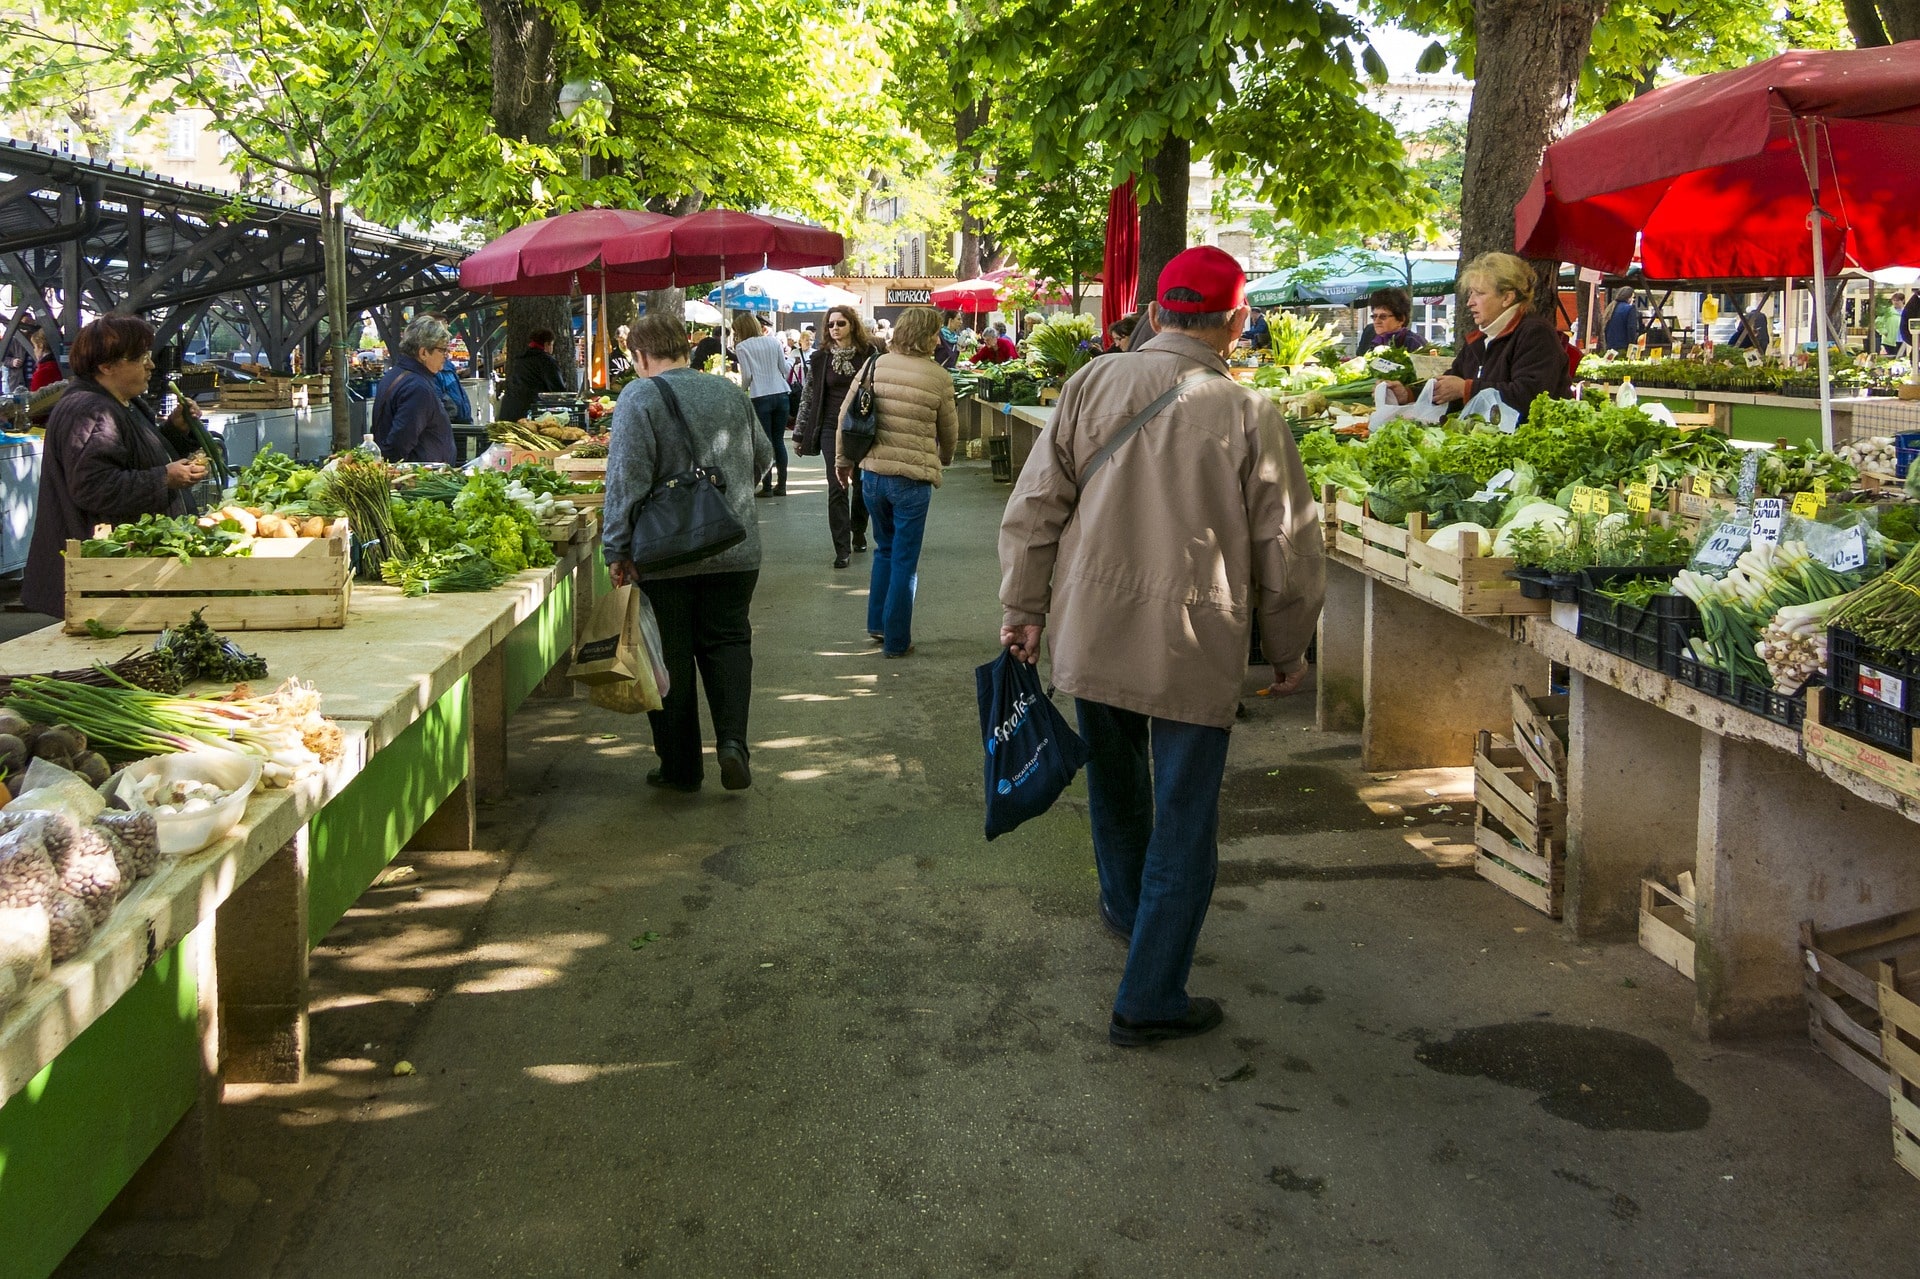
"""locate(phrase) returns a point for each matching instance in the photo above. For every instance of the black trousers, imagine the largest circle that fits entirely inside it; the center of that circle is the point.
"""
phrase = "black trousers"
(703, 624)
(846, 505)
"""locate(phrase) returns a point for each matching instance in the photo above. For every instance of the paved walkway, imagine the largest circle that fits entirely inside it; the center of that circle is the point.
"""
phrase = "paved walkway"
(821, 1028)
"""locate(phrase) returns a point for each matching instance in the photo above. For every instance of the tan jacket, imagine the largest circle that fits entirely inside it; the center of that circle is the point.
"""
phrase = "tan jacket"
(918, 422)
(1149, 580)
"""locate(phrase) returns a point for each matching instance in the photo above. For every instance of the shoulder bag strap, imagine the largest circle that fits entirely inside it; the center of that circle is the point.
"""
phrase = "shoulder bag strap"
(1139, 420)
(672, 402)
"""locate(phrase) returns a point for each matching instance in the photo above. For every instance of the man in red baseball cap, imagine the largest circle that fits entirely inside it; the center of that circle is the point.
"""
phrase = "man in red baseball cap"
(1163, 507)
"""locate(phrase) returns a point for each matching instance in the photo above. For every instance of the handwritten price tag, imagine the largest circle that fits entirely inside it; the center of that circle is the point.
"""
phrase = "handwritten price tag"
(1724, 547)
(1807, 505)
(1850, 552)
(1769, 517)
(1702, 484)
(1591, 501)
(1640, 497)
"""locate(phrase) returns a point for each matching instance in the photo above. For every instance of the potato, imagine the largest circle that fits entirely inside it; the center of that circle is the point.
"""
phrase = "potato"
(248, 522)
(276, 526)
(313, 526)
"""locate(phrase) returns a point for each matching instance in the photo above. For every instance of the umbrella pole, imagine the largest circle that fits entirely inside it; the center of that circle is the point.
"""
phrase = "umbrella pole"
(1810, 157)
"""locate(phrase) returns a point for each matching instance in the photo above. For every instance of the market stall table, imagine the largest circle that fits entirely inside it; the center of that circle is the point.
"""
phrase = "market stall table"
(200, 975)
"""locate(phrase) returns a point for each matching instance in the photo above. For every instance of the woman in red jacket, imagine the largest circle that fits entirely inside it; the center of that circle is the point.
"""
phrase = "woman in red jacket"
(46, 369)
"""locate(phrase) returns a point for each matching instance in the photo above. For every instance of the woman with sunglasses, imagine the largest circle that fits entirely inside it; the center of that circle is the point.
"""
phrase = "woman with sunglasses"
(104, 462)
(830, 376)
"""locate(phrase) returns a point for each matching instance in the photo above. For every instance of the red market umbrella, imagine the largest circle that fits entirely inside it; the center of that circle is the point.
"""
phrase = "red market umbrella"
(1799, 165)
(697, 248)
(555, 256)
(1121, 266)
(1060, 297)
(974, 296)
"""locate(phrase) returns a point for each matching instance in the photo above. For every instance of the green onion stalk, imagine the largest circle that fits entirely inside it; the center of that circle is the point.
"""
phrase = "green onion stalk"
(131, 723)
(1886, 611)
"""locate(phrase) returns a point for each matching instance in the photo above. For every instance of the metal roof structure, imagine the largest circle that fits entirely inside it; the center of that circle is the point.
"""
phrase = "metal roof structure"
(86, 236)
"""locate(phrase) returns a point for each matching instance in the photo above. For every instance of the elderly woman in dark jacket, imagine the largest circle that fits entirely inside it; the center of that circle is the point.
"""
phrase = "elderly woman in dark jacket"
(1515, 350)
(408, 421)
(104, 463)
(830, 374)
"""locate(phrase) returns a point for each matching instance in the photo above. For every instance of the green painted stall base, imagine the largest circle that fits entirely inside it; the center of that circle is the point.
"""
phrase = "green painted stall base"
(538, 643)
(352, 839)
(75, 1135)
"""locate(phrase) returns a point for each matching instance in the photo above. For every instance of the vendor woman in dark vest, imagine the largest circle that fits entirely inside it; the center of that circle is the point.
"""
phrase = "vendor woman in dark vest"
(104, 463)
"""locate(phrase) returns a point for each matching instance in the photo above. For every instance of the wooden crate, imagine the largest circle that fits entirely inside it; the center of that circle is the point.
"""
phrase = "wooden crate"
(266, 393)
(1842, 979)
(1466, 582)
(1666, 926)
(1856, 756)
(1900, 1045)
(581, 470)
(289, 584)
(1540, 726)
(1519, 827)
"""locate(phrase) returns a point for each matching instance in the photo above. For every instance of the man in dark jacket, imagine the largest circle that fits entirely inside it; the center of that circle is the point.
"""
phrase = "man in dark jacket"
(408, 421)
(531, 373)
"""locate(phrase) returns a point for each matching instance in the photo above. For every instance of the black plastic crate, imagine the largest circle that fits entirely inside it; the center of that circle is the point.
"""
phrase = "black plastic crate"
(1870, 692)
(1759, 699)
(1000, 455)
(1651, 636)
(1539, 584)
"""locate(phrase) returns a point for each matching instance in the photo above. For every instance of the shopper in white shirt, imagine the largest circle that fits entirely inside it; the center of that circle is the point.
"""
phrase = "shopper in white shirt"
(763, 364)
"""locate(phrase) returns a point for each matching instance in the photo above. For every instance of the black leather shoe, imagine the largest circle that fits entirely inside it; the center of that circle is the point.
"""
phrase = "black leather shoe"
(1111, 922)
(655, 778)
(859, 545)
(1202, 1015)
(734, 773)
(841, 561)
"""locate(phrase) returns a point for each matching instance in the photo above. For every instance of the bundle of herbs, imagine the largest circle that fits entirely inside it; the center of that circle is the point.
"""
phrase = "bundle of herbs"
(200, 652)
(1886, 611)
(180, 536)
(359, 483)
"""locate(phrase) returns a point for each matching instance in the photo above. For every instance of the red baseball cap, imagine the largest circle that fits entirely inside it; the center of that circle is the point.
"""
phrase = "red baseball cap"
(1220, 281)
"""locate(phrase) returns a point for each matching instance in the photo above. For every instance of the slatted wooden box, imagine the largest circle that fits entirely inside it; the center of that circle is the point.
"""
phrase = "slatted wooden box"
(1464, 582)
(1842, 976)
(1900, 1045)
(287, 584)
(1519, 827)
(1666, 926)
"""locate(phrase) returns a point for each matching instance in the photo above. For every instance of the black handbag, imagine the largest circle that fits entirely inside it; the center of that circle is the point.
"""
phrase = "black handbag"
(862, 419)
(686, 516)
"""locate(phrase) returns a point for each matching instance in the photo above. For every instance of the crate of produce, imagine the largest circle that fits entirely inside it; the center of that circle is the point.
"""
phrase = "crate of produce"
(286, 584)
(1757, 699)
(1000, 456)
(581, 470)
(263, 393)
(1906, 447)
(1900, 1045)
(1519, 827)
(1842, 977)
(1652, 636)
(1462, 580)
(1666, 923)
(1871, 692)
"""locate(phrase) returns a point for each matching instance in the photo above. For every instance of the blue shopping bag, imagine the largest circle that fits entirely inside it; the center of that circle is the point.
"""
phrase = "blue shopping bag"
(1032, 752)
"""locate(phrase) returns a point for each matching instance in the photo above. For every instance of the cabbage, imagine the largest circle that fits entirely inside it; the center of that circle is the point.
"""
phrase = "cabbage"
(1544, 517)
(1448, 538)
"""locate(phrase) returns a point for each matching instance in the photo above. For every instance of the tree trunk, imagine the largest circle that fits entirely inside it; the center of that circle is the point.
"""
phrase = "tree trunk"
(1863, 20)
(967, 121)
(333, 265)
(1163, 219)
(1902, 19)
(1526, 70)
(526, 97)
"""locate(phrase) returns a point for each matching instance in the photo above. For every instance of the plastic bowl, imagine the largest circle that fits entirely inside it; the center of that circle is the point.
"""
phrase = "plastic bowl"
(184, 833)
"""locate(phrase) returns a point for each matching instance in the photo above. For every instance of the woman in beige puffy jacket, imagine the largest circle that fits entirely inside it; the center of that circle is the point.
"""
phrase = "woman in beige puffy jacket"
(915, 437)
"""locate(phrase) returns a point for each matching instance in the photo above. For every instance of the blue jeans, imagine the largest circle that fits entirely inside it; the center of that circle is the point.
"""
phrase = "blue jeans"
(898, 508)
(1155, 829)
(772, 412)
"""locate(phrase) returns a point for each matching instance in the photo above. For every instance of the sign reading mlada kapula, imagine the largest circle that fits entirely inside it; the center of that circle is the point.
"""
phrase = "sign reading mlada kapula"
(909, 297)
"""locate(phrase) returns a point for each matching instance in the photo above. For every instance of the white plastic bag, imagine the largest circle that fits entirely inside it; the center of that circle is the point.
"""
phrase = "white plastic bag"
(49, 788)
(1422, 410)
(1659, 413)
(1490, 406)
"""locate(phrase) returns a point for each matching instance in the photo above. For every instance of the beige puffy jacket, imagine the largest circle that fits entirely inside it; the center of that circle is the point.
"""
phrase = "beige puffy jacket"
(918, 422)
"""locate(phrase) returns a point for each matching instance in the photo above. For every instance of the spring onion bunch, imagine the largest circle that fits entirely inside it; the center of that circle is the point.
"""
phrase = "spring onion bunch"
(1736, 608)
(1886, 611)
(282, 730)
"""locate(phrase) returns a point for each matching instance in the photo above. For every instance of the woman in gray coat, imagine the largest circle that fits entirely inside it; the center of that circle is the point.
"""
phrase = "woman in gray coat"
(702, 608)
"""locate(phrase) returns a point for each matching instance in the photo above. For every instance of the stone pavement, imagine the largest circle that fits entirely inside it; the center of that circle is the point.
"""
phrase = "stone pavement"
(822, 1028)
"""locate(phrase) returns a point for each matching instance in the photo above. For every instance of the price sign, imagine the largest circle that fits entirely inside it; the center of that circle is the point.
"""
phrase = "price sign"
(1807, 505)
(1640, 497)
(1591, 501)
(1702, 484)
(1724, 547)
(1849, 552)
(1753, 359)
(1769, 517)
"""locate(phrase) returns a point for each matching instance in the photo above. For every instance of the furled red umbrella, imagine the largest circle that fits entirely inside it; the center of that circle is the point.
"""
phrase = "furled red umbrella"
(973, 296)
(1739, 173)
(1121, 266)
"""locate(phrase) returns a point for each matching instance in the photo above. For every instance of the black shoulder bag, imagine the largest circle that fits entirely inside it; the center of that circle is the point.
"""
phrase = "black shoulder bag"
(861, 422)
(686, 516)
